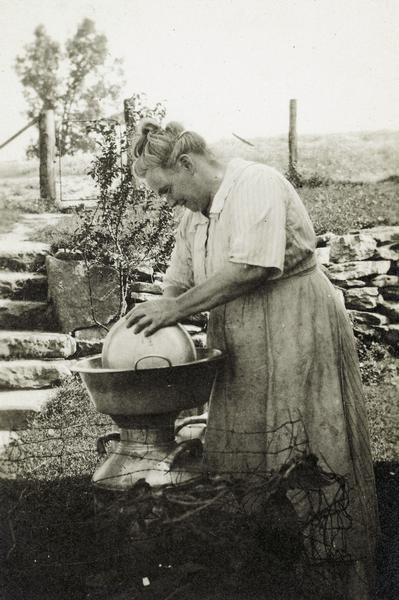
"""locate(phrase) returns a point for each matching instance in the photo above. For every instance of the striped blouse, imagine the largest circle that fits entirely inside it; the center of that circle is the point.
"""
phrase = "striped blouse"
(256, 218)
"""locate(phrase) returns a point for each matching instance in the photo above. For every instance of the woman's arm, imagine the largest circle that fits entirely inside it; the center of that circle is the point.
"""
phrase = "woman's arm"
(172, 291)
(234, 280)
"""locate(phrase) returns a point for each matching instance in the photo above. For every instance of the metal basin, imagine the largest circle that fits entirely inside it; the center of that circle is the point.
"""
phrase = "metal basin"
(151, 391)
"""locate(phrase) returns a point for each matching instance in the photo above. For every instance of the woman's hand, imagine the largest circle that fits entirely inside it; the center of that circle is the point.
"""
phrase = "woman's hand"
(153, 315)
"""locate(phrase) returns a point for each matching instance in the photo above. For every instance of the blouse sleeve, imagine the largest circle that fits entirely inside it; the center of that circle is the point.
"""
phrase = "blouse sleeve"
(180, 270)
(258, 220)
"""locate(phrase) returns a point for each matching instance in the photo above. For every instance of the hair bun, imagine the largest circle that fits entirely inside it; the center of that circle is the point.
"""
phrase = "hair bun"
(174, 128)
(148, 125)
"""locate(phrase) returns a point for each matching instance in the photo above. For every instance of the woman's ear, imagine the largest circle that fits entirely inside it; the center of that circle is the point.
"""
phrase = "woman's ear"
(186, 162)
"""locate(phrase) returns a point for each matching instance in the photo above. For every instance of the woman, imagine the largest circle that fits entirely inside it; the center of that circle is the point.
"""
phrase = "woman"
(245, 250)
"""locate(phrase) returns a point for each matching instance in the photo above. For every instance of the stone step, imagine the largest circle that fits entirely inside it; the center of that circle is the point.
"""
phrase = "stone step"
(38, 345)
(72, 206)
(17, 408)
(146, 287)
(32, 374)
(26, 314)
(22, 256)
(23, 285)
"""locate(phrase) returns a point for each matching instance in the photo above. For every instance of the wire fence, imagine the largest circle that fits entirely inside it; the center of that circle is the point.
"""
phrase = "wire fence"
(73, 182)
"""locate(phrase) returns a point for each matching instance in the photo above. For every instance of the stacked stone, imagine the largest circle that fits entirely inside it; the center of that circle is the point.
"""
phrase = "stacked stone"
(33, 356)
(364, 265)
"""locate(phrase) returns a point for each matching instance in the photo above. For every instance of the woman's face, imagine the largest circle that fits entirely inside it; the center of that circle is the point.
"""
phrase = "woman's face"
(180, 186)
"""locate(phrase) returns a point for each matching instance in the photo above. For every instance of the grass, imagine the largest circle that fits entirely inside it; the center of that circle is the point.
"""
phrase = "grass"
(343, 207)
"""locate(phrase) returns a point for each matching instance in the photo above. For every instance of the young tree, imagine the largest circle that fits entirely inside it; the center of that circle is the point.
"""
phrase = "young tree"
(77, 81)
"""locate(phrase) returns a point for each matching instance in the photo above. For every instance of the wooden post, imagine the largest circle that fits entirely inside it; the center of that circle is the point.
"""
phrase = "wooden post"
(292, 142)
(47, 155)
(129, 106)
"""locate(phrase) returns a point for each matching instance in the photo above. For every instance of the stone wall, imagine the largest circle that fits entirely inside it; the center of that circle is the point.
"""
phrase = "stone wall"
(364, 265)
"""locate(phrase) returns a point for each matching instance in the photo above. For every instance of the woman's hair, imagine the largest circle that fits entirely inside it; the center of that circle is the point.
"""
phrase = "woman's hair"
(158, 147)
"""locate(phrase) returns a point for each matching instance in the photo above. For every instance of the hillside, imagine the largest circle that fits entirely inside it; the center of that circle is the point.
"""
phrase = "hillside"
(364, 156)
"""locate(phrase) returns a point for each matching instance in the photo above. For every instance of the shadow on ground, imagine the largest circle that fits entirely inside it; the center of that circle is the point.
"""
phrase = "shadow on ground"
(55, 547)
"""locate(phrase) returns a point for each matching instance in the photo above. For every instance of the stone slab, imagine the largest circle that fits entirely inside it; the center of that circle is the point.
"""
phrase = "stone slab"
(89, 347)
(89, 341)
(390, 293)
(390, 309)
(385, 280)
(372, 319)
(26, 314)
(357, 269)
(23, 285)
(352, 283)
(142, 296)
(382, 233)
(43, 218)
(376, 333)
(77, 293)
(350, 247)
(388, 251)
(91, 333)
(72, 206)
(323, 255)
(32, 374)
(38, 345)
(19, 406)
(66, 254)
(144, 272)
(324, 239)
(144, 286)
(364, 298)
(22, 256)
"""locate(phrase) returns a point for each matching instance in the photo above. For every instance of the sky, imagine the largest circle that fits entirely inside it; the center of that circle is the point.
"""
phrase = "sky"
(224, 66)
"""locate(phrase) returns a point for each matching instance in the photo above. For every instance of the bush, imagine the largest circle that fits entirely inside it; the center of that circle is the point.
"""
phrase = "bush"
(375, 360)
(130, 225)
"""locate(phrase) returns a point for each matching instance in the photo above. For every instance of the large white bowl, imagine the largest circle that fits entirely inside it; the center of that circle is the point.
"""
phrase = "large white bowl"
(124, 349)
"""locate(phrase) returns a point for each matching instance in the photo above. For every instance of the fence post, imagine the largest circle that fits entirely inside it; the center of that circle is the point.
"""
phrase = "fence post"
(292, 143)
(128, 109)
(47, 155)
